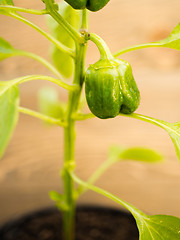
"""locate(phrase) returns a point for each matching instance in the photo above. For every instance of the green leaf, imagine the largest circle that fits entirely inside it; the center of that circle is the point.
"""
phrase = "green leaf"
(59, 199)
(48, 103)
(119, 153)
(63, 62)
(55, 196)
(6, 2)
(9, 101)
(153, 227)
(6, 50)
(158, 227)
(173, 40)
(48, 2)
(141, 154)
(174, 132)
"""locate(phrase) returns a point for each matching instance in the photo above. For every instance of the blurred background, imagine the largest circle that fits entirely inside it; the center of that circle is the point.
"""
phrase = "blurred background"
(30, 167)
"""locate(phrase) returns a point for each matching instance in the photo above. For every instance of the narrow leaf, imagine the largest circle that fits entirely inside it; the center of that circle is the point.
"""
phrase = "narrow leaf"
(59, 199)
(63, 61)
(9, 101)
(6, 50)
(48, 102)
(174, 132)
(142, 154)
(55, 196)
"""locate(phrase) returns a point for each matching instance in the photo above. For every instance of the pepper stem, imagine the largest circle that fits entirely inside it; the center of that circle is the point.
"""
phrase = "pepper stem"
(105, 52)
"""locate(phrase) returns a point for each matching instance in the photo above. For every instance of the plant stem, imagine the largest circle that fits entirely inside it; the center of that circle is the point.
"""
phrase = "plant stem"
(104, 50)
(41, 116)
(25, 10)
(145, 119)
(69, 141)
(136, 47)
(69, 138)
(70, 30)
(52, 8)
(59, 82)
(83, 116)
(85, 20)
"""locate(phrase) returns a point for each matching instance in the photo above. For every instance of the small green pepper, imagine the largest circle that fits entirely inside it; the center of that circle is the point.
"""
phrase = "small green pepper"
(103, 90)
(77, 4)
(92, 5)
(110, 88)
(96, 5)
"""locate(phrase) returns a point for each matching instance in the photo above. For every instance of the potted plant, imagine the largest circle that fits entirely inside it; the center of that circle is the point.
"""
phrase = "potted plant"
(110, 91)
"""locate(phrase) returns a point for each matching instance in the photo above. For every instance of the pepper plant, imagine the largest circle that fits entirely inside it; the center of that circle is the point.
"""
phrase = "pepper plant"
(110, 91)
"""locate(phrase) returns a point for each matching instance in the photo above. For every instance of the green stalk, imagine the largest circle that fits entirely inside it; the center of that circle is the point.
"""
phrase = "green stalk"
(9, 8)
(70, 30)
(59, 82)
(83, 116)
(52, 8)
(104, 50)
(41, 116)
(136, 47)
(69, 141)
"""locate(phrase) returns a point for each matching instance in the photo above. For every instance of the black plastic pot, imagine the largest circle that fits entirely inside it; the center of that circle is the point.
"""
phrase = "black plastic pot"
(92, 223)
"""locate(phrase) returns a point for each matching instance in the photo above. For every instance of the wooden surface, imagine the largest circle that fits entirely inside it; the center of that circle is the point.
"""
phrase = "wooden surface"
(30, 166)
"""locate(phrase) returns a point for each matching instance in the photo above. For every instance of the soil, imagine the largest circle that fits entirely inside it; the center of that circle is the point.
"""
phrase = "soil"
(91, 224)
